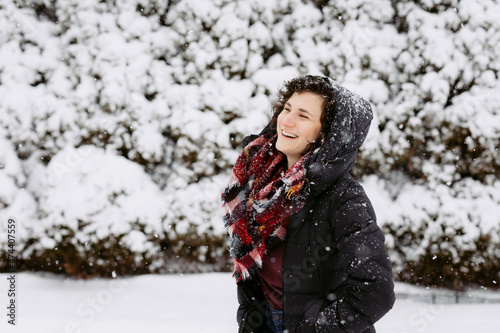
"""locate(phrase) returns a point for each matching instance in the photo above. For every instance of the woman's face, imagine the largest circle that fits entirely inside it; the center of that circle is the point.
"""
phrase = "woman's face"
(299, 124)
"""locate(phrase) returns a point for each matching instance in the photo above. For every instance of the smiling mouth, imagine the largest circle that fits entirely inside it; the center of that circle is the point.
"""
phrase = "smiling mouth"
(288, 135)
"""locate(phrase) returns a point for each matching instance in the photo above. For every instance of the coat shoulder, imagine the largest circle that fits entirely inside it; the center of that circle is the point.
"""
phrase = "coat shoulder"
(345, 189)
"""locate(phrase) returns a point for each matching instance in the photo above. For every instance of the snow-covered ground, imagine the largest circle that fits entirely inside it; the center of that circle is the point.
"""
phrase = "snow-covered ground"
(199, 303)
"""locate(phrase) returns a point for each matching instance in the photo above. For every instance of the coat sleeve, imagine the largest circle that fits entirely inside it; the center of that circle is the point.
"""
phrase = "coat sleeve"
(252, 307)
(366, 292)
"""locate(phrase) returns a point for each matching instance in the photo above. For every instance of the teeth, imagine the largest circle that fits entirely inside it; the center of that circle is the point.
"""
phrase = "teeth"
(290, 135)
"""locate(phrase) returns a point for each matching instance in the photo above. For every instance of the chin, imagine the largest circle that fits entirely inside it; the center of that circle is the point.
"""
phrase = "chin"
(278, 148)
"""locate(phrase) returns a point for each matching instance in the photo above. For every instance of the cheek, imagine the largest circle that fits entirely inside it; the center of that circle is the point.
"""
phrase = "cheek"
(315, 132)
(280, 118)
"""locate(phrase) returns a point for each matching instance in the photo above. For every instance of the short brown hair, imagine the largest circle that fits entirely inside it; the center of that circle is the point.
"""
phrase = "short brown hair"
(311, 83)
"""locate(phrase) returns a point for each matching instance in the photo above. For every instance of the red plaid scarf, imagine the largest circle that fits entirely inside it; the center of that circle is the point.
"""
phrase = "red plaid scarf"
(260, 195)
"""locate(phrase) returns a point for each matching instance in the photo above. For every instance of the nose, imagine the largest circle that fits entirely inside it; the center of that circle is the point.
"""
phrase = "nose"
(288, 120)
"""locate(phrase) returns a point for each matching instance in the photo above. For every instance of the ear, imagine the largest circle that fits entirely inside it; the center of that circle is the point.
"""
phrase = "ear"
(321, 137)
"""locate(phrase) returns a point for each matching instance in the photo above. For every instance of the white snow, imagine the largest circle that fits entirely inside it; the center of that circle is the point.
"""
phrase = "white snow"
(164, 102)
(88, 184)
(197, 303)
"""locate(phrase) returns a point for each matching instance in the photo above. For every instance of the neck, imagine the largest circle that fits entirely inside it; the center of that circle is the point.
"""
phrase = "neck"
(291, 161)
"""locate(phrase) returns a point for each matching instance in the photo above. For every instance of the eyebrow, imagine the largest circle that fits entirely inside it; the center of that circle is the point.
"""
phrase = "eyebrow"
(300, 109)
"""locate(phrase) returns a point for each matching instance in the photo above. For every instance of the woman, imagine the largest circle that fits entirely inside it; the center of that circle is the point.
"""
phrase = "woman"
(308, 254)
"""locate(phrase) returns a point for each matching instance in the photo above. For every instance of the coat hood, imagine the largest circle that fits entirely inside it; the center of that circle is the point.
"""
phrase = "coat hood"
(348, 130)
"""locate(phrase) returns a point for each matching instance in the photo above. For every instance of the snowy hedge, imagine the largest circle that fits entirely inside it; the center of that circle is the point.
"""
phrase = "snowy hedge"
(121, 120)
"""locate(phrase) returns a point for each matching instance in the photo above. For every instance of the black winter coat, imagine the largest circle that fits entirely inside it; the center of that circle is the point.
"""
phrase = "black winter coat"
(337, 276)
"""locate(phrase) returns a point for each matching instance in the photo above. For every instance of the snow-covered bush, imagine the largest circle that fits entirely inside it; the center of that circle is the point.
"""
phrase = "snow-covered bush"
(121, 120)
(440, 235)
(15, 201)
(441, 122)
